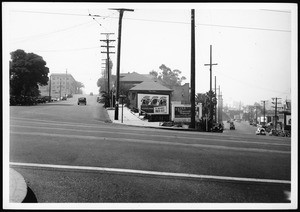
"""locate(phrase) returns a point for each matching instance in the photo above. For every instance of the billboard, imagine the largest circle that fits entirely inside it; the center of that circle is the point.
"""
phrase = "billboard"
(183, 112)
(153, 104)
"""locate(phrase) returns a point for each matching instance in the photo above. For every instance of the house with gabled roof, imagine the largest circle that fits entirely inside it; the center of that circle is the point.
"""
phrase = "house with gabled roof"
(152, 99)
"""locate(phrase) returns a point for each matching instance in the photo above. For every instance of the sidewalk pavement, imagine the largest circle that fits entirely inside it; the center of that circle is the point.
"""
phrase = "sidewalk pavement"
(133, 119)
(130, 118)
(17, 187)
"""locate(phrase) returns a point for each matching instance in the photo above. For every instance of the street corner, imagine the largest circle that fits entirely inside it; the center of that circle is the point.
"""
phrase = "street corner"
(17, 187)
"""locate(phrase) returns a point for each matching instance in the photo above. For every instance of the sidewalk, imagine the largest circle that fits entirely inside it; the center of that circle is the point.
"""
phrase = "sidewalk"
(133, 119)
(130, 118)
(17, 187)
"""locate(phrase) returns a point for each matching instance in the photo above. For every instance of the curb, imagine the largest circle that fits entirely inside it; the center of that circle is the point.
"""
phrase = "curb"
(17, 187)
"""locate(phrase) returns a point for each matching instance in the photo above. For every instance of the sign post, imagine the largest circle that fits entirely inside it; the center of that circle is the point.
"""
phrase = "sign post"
(122, 97)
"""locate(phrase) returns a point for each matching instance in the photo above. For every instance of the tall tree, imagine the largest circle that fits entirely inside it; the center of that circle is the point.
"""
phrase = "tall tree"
(27, 71)
(167, 77)
(208, 101)
(78, 86)
(102, 83)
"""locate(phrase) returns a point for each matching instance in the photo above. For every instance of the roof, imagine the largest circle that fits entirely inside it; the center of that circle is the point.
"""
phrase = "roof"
(150, 86)
(134, 77)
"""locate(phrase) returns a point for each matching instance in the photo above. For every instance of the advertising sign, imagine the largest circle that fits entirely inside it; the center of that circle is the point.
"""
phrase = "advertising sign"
(153, 104)
(183, 112)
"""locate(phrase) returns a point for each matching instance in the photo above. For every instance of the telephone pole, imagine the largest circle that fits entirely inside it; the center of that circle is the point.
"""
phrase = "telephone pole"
(193, 112)
(50, 88)
(121, 11)
(210, 89)
(108, 61)
(210, 67)
(275, 110)
(216, 99)
(264, 101)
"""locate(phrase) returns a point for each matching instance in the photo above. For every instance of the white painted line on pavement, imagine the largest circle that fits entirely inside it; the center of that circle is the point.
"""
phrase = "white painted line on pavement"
(151, 142)
(154, 135)
(155, 173)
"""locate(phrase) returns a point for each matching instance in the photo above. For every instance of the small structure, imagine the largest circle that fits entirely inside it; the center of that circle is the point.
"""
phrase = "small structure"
(151, 99)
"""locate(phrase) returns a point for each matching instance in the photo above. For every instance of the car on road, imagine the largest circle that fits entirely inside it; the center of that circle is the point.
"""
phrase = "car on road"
(81, 100)
(260, 131)
(232, 127)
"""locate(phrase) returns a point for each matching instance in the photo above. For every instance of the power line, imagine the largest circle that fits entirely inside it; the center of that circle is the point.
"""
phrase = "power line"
(49, 33)
(61, 50)
(164, 21)
(256, 86)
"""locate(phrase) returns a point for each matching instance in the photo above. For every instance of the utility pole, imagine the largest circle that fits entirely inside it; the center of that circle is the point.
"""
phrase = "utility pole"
(66, 82)
(121, 11)
(216, 98)
(210, 89)
(221, 107)
(275, 110)
(59, 89)
(108, 61)
(50, 89)
(210, 67)
(219, 114)
(193, 112)
(256, 114)
(264, 101)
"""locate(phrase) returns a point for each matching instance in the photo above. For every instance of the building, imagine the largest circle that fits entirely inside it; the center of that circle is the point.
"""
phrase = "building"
(60, 85)
(181, 93)
(152, 99)
(130, 80)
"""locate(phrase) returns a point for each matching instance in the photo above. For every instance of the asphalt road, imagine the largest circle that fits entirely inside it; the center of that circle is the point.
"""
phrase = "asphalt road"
(71, 153)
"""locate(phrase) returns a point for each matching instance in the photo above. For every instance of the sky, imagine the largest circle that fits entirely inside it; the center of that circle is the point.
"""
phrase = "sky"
(254, 45)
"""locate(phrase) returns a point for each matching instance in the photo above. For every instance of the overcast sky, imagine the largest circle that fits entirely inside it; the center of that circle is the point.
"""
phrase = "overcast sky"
(253, 44)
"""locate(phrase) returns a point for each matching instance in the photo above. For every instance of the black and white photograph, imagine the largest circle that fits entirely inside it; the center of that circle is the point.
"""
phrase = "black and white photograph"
(181, 106)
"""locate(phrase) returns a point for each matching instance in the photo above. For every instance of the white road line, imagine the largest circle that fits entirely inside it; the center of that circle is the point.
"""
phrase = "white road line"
(155, 173)
(153, 135)
(150, 142)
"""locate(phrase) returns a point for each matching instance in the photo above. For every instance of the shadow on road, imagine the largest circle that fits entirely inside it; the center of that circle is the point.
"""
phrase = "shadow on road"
(30, 197)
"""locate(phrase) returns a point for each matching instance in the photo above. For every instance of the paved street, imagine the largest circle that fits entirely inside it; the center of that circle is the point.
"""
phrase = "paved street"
(73, 153)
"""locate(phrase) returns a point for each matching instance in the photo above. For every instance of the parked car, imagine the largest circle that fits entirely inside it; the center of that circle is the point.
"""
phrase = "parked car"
(81, 100)
(218, 127)
(232, 127)
(64, 98)
(260, 131)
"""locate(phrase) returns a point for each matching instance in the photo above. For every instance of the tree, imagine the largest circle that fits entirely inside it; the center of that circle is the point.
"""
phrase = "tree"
(208, 101)
(78, 86)
(102, 83)
(27, 71)
(167, 77)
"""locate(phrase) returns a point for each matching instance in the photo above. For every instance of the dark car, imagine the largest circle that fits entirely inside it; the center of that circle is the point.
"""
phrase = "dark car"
(81, 100)
(232, 127)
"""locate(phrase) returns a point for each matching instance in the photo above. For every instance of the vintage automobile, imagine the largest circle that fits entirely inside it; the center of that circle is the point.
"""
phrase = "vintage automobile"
(81, 100)
(260, 131)
(232, 127)
(217, 127)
